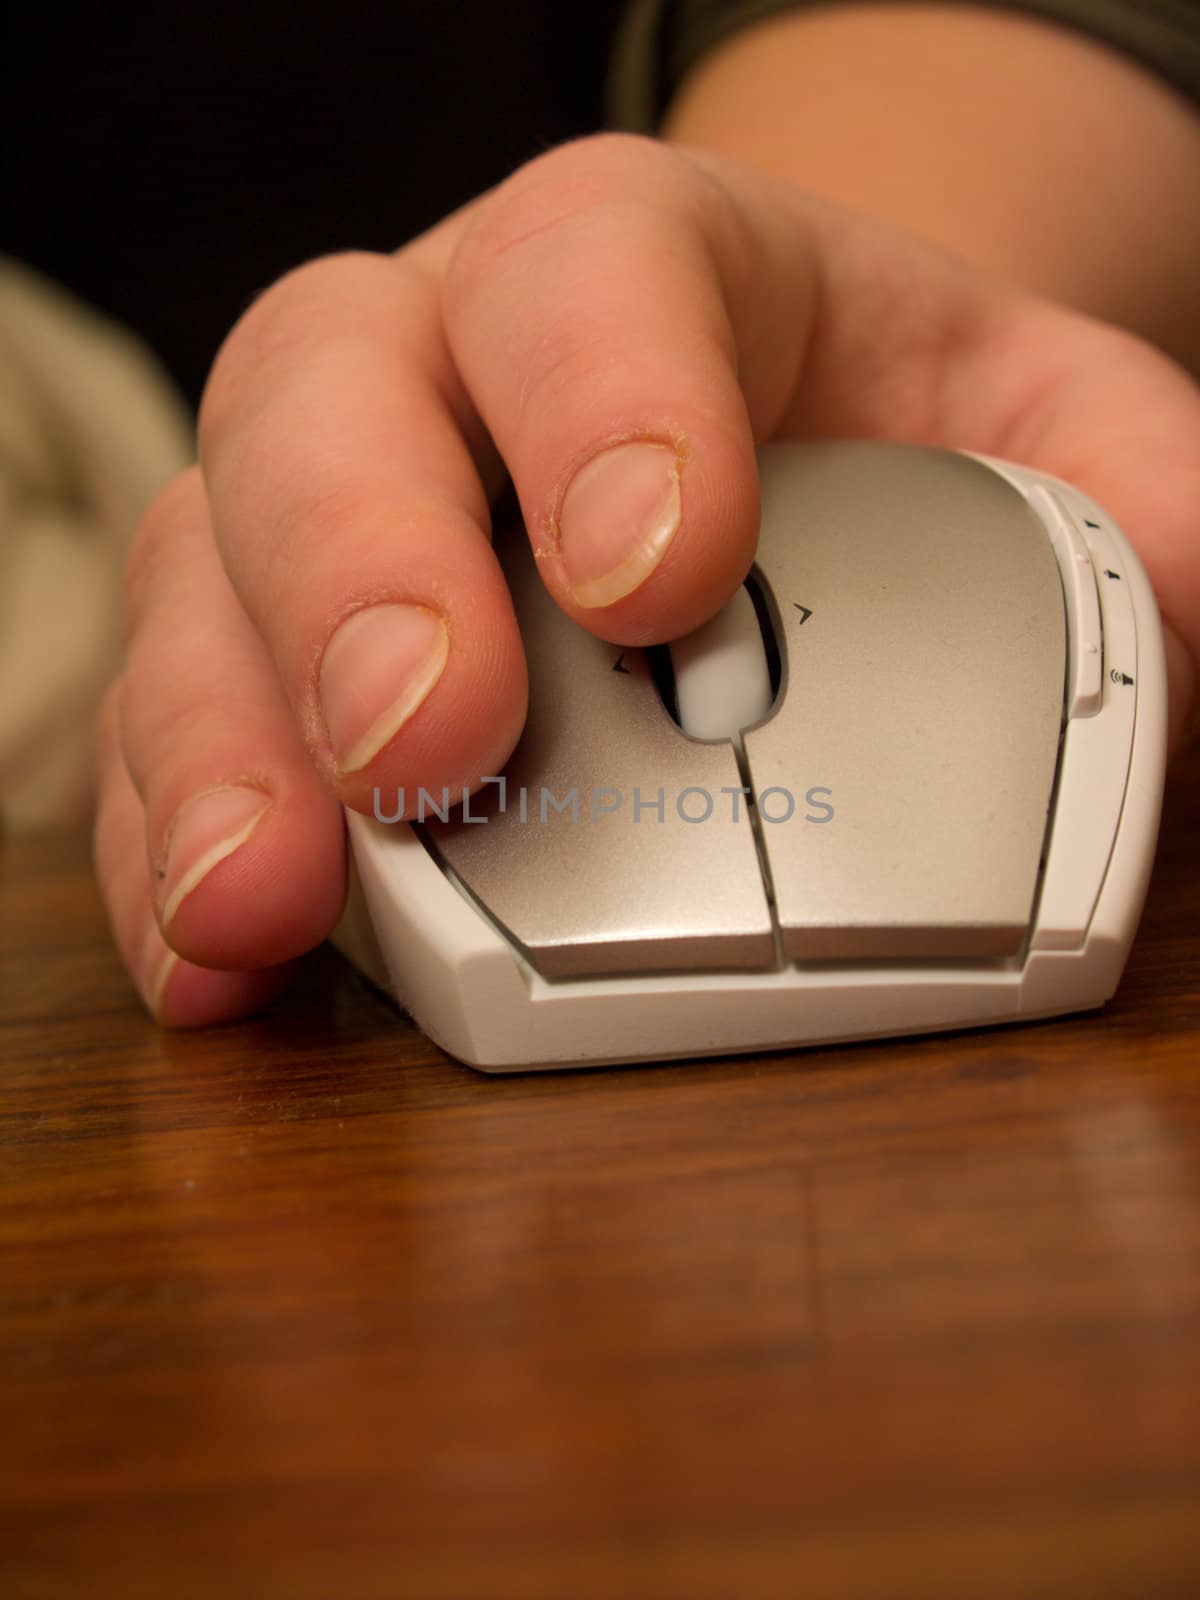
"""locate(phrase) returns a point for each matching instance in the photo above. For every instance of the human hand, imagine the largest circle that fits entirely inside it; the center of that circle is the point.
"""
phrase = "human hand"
(316, 611)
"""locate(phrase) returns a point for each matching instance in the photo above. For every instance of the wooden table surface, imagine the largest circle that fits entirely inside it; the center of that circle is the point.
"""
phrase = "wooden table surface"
(302, 1308)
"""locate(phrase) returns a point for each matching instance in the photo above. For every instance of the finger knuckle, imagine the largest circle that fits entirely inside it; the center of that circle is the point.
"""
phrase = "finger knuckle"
(569, 183)
(153, 547)
(278, 326)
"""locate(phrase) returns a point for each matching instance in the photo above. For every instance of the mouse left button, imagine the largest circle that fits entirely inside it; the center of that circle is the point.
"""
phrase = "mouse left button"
(616, 843)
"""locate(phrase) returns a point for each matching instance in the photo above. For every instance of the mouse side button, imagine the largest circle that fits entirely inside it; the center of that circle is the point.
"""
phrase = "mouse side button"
(1085, 657)
(1097, 746)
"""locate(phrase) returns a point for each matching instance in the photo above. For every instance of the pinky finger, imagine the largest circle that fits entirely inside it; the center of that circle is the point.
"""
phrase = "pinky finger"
(176, 992)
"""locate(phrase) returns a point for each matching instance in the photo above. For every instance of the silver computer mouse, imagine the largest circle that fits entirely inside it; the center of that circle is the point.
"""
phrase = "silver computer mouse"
(908, 779)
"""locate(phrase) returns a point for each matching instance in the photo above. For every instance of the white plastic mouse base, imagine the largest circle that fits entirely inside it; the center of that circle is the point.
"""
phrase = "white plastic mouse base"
(472, 991)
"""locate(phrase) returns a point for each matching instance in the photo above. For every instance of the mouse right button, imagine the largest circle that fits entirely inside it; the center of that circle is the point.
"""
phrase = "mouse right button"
(903, 784)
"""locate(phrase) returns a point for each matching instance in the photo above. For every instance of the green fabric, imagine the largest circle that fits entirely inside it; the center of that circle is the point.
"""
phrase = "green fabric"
(662, 40)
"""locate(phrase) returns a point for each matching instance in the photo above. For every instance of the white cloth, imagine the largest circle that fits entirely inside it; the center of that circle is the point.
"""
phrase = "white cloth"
(90, 429)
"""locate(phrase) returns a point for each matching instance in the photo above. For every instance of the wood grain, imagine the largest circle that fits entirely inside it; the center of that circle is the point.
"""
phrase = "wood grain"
(299, 1307)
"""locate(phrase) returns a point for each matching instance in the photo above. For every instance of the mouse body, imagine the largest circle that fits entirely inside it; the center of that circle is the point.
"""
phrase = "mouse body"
(908, 779)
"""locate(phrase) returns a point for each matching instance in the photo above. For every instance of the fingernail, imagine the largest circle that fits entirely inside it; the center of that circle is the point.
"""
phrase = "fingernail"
(618, 516)
(159, 975)
(207, 829)
(378, 668)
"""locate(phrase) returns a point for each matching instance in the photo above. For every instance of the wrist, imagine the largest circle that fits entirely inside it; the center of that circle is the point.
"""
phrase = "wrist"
(1026, 149)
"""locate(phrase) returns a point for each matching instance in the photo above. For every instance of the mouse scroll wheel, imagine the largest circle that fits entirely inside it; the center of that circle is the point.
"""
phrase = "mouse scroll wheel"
(723, 678)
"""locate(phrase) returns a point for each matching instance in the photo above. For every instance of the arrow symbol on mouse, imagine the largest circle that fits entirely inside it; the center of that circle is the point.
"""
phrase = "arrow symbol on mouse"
(804, 611)
(1108, 573)
(619, 664)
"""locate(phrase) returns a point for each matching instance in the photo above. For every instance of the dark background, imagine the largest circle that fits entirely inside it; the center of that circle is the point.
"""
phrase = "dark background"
(169, 164)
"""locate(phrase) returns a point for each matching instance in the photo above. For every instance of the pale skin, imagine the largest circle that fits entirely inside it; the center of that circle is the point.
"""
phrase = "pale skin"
(316, 610)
